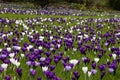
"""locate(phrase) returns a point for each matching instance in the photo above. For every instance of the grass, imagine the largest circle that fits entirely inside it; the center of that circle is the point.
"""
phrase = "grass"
(59, 70)
(20, 16)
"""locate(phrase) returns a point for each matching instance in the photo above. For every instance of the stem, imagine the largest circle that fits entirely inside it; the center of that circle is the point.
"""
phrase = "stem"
(85, 76)
(89, 78)
(14, 78)
(5, 73)
(0, 76)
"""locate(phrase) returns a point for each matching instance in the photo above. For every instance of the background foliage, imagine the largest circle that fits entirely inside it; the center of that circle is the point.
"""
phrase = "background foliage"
(113, 4)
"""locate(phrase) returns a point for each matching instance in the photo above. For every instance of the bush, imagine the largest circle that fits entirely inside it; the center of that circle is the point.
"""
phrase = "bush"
(115, 4)
(78, 6)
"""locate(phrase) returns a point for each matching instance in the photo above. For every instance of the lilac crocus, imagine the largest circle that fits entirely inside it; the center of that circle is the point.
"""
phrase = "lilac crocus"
(32, 72)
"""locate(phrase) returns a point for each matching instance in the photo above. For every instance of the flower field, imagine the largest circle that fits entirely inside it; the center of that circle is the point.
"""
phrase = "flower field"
(59, 45)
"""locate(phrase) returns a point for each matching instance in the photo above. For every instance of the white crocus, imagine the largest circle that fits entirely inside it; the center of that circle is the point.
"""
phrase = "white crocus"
(41, 30)
(40, 48)
(58, 45)
(114, 56)
(17, 64)
(22, 55)
(51, 37)
(29, 47)
(5, 44)
(23, 33)
(89, 74)
(45, 68)
(12, 60)
(74, 49)
(73, 61)
(0, 49)
(85, 69)
(4, 66)
(18, 47)
(96, 60)
(9, 49)
(11, 55)
(41, 38)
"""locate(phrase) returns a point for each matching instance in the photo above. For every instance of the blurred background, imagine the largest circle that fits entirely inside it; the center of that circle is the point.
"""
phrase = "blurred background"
(73, 4)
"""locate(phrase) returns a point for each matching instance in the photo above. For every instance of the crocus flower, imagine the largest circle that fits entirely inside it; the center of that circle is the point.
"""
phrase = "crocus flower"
(73, 78)
(96, 59)
(32, 72)
(1, 69)
(102, 75)
(100, 55)
(4, 66)
(19, 71)
(68, 67)
(111, 70)
(85, 60)
(47, 54)
(7, 77)
(76, 74)
(114, 56)
(39, 78)
(94, 71)
(89, 74)
(74, 61)
(45, 68)
(93, 65)
(49, 74)
(51, 67)
(85, 69)
(102, 67)
(12, 55)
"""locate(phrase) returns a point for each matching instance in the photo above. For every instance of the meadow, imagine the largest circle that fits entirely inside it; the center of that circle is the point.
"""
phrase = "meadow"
(59, 45)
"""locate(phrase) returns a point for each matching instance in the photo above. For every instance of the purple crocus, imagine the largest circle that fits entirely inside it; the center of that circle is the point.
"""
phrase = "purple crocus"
(68, 67)
(19, 71)
(7, 77)
(47, 54)
(52, 67)
(39, 78)
(76, 74)
(93, 65)
(1, 70)
(102, 67)
(102, 75)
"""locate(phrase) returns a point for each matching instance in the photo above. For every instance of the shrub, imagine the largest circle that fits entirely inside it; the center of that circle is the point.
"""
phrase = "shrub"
(115, 4)
(78, 6)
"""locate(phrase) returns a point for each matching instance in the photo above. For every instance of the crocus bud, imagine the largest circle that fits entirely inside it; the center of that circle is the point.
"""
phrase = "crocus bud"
(76, 74)
(102, 74)
(89, 73)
